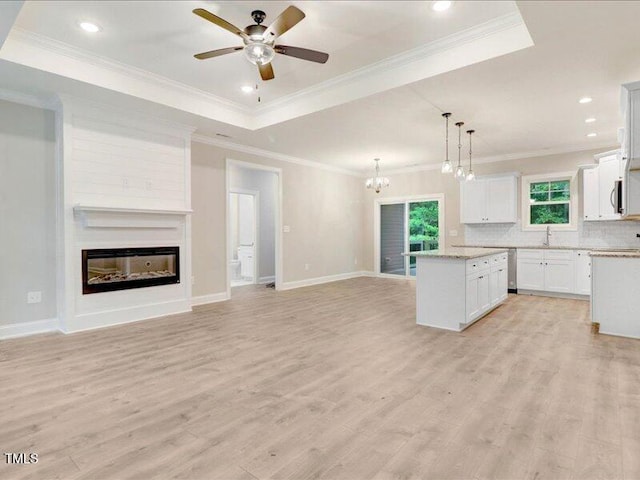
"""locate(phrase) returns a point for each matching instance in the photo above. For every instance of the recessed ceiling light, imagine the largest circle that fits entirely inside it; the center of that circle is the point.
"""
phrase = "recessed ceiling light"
(441, 5)
(592, 134)
(246, 88)
(585, 100)
(89, 27)
(589, 120)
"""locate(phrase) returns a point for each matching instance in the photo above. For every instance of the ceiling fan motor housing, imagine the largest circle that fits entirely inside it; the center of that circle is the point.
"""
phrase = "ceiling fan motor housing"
(255, 32)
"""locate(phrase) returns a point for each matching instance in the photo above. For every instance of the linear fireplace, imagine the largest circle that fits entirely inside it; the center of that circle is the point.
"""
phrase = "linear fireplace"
(108, 269)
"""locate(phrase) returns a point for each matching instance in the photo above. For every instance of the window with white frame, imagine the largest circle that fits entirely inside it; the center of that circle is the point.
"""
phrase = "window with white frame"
(549, 200)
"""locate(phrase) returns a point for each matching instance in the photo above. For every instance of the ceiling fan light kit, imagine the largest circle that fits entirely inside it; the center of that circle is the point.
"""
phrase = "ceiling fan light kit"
(259, 41)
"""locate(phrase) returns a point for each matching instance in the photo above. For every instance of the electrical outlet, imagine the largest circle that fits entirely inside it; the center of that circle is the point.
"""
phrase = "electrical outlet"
(286, 229)
(453, 233)
(148, 184)
(34, 297)
(125, 183)
(307, 266)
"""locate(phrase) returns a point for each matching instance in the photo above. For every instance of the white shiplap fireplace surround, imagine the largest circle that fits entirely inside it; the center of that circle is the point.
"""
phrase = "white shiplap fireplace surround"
(123, 182)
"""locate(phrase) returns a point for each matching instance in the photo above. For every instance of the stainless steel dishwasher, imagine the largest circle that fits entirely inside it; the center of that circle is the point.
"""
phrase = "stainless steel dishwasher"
(513, 270)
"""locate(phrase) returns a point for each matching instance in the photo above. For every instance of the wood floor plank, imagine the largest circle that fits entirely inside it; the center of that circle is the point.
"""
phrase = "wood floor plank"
(333, 381)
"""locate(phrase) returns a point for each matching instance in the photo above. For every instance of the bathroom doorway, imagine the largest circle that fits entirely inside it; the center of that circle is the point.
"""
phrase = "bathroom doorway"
(254, 249)
(243, 223)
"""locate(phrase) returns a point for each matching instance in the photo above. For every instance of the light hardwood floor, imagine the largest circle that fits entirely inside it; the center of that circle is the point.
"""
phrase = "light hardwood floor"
(332, 381)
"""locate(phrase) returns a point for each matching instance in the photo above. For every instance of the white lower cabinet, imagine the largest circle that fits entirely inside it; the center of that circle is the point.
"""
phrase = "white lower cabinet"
(557, 271)
(558, 275)
(499, 284)
(530, 274)
(583, 272)
(487, 285)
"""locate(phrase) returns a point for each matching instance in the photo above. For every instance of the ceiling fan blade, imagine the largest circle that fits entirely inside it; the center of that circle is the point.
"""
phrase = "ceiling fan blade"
(217, 53)
(266, 72)
(201, 12)
(303, 53)
(287, 19)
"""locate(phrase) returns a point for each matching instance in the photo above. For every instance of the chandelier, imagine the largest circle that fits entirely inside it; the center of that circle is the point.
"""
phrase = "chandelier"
(377, 182)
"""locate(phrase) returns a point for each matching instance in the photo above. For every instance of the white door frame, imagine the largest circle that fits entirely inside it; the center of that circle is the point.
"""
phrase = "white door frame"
(403, 200)
(278, 217)
(256, 226)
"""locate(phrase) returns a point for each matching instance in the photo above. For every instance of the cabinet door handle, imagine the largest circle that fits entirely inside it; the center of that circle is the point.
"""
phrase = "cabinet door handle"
(611, 197)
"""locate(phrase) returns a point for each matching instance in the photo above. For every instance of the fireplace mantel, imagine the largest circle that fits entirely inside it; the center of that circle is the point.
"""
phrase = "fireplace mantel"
(117, 217)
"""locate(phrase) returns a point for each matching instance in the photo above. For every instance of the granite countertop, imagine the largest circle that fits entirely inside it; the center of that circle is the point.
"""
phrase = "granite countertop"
(613, 253)
(557, 247)
(457, 252)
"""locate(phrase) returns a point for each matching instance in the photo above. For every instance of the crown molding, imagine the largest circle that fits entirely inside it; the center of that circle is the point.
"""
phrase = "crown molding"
(402, 59)
(236, 147)
(37, 51)
(496, 37)
(506, 157)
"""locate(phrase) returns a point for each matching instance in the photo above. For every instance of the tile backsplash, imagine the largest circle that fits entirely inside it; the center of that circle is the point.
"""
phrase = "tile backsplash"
(589, 234)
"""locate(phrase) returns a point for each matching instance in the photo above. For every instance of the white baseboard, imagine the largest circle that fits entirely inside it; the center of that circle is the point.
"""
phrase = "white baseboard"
(319, 280)
(269, 279)
(15, 330)
(212, 298)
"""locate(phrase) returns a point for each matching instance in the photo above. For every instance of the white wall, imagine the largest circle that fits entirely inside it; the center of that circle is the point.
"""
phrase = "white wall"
(27, 216)
(322, 208)
(265, 183)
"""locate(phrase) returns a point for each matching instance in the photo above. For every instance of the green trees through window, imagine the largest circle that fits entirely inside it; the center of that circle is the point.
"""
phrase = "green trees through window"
(550, 202)
(423, 225)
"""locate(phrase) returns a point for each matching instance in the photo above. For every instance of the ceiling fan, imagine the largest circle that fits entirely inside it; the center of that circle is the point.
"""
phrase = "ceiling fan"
(259, 41)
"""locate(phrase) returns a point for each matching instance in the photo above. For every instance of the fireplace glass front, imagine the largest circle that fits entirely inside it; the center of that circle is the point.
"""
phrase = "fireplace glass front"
(108, 269)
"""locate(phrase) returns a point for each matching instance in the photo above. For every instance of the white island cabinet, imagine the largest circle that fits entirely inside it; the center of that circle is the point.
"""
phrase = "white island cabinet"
(457, 286)
(615, 292)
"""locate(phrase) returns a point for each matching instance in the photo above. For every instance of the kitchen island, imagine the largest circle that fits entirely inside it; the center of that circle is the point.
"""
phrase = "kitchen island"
(457, 286)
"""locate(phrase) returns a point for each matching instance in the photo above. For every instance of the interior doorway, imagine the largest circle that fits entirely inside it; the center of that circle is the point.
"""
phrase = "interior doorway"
(243, 222)
(254, 244)
(406, 225)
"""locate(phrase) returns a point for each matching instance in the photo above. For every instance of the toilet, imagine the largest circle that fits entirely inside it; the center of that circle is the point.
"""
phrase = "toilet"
(235, 269)
(245, 257)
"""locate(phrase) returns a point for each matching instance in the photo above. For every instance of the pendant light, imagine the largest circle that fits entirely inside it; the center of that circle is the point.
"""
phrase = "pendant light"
(377, 182)
(459, 174)
(470, 176)
(446, 165)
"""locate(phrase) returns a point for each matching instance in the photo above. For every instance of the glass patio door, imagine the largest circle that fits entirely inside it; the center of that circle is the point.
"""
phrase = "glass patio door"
(424, 229)
(407, 226)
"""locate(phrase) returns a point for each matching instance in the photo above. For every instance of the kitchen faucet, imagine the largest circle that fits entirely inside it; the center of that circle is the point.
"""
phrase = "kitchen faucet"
(546, 242)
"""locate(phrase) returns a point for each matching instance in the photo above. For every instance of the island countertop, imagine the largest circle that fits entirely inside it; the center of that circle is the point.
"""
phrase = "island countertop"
(457, 252)
(618, 254)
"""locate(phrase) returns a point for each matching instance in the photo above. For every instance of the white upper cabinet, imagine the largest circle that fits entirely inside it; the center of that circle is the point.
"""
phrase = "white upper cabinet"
(609, 172)
(599, 187)
(489, 200)
(472, 201)
(631, 111)
(591, 194)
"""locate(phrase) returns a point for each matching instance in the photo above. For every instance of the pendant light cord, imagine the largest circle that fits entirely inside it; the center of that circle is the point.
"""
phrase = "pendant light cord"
(459, 125)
